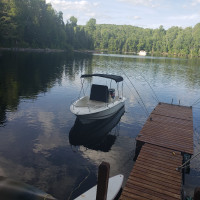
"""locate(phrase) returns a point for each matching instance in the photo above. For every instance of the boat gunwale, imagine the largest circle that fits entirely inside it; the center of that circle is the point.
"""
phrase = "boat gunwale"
(95, 110)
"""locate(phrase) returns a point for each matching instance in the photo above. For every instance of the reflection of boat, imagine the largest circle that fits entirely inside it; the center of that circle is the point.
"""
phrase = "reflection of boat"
(95, 135)
(102, 102)
(142, 53)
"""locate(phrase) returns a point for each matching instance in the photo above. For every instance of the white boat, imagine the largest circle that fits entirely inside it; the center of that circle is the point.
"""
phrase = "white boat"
(102, 102)
(142, 53)
(114, 186)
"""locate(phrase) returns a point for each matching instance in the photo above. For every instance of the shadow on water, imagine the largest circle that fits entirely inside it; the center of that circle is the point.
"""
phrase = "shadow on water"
(96, 134)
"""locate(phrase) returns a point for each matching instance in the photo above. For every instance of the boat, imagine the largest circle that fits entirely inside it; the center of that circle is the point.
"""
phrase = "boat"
(95, 135)
(142, 53)
(114, 186)
(102, 102)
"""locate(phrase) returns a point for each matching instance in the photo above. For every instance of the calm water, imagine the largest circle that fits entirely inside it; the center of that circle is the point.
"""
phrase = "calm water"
(38, 145)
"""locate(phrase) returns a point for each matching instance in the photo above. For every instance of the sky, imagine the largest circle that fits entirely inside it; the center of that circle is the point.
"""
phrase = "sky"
(142, 13)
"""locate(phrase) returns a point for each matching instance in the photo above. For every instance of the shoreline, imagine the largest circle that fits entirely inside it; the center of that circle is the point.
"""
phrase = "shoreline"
(104, 51)
(46, 50)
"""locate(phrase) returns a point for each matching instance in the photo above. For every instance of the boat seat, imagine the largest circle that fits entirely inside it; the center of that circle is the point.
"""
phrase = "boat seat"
(99, 93)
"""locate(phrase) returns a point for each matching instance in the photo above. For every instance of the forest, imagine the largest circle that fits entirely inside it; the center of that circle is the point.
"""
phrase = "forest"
(36, 24)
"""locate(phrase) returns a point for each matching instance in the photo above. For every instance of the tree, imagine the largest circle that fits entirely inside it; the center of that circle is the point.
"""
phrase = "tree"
(91, 26)
(170, 37)
(8, 26)
(31, 24)
(73, 21)
(34, 23)
(196, 40)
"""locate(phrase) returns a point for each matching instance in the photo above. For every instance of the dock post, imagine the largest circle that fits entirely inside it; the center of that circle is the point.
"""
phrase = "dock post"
(137, 149)
(197, 193)
(103, 177)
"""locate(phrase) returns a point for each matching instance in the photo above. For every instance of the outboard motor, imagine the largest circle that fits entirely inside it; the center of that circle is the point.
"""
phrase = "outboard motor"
(112, 93)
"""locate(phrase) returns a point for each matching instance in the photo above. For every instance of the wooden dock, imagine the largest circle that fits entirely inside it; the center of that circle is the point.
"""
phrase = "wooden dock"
(166, 136)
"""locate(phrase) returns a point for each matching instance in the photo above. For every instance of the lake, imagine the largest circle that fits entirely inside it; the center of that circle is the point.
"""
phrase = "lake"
(36, 126)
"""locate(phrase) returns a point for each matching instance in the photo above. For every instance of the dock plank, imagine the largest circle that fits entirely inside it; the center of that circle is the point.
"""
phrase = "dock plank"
(154, 178)
(165, 137)
(169, 126)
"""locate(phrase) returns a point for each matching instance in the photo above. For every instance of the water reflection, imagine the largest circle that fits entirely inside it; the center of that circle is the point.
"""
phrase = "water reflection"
(25, 76)
(96, 134)
(36, 91)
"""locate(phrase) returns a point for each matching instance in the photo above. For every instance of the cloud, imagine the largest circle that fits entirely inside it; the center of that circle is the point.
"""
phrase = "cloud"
(184, 17)
(80, 9)
(195, 2)
(67, 5)
(129, 12)
(137, 17)
(7, 166)
(92, 14)
(148, 3)
(50, 137)
(117, 149)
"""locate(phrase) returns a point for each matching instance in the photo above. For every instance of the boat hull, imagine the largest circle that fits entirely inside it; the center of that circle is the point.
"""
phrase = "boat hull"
(103, 113)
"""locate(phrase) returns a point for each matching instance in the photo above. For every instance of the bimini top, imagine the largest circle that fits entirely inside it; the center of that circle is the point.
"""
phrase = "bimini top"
(110, 76)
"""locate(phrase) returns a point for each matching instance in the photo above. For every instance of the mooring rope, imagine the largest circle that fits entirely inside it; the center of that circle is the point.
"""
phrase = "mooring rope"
(195, 107)
(136, 99)
(82, 89)
(196, 102)
(151, 88)
(155, 99)
(79, 183)
(136, 92)
(183, 165)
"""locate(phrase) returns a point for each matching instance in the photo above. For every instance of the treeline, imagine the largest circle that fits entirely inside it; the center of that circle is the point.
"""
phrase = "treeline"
(124, 38)
(33, 23)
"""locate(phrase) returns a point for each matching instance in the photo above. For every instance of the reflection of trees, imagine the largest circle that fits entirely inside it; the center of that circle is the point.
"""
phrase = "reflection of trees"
(81, 64)
(185, 70)
(26, 75)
